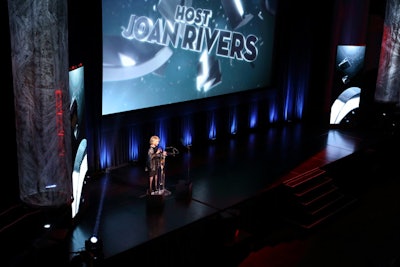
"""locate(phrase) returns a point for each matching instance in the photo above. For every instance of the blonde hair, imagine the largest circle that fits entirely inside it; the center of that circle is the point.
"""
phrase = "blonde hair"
(153, 139)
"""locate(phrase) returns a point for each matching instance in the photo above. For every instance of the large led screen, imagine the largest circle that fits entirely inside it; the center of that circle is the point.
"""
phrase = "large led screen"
(159, 52)
(79, 141)
(347, 91)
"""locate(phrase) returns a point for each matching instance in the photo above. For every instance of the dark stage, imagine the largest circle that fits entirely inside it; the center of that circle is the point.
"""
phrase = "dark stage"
(227, 199)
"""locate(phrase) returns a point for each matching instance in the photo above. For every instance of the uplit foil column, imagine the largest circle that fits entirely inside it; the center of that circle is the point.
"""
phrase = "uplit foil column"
(39, 47)
(388, 79)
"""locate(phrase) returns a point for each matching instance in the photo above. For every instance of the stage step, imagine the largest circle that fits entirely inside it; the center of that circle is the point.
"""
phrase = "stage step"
(311, 198)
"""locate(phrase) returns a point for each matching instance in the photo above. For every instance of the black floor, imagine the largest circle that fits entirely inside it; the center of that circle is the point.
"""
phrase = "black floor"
(228, 205)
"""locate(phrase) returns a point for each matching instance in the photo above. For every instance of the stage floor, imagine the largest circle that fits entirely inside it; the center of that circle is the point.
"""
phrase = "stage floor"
(204, 182)
(220, 195)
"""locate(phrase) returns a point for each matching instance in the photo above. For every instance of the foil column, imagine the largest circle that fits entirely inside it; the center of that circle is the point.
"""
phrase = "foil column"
(388, 79)
(39, 48)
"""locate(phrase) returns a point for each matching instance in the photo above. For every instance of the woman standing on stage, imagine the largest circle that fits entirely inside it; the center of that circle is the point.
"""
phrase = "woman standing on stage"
(154, 156)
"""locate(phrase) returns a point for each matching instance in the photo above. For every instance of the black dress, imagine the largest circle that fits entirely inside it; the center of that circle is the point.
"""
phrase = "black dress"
(153, 161)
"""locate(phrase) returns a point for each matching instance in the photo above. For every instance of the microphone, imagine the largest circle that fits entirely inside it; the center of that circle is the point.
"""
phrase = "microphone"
(174, 151)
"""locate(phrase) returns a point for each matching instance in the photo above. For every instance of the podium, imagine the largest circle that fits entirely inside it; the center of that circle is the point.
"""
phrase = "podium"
(184, 189)
(155, 200)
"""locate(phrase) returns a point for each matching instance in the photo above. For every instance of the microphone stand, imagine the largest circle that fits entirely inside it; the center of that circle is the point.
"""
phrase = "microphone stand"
(174, 152)
(188, 164)
(185, 187)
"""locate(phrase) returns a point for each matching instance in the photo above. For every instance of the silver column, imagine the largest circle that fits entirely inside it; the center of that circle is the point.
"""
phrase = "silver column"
(39, 47)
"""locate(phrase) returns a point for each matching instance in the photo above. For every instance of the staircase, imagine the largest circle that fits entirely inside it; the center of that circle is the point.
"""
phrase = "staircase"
(311, 198)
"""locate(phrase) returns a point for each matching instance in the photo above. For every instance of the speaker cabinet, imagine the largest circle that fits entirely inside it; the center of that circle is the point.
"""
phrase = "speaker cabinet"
(183, 189)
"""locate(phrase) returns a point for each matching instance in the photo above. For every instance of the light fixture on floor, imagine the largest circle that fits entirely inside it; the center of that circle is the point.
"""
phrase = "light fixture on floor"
(94, 246)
